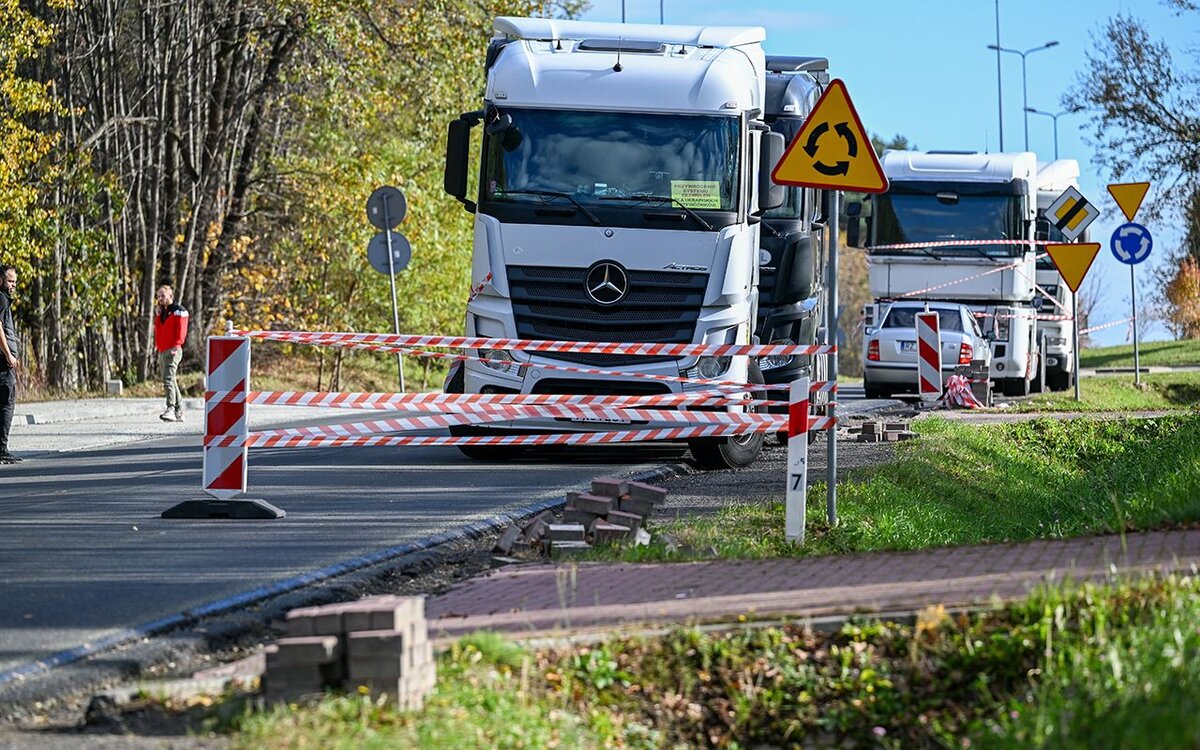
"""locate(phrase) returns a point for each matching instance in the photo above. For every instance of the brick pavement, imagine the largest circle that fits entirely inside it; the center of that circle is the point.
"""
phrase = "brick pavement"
(542, 599)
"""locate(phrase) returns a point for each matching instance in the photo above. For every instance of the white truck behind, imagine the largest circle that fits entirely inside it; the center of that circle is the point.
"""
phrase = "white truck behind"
(959, 227)
(1059, 335)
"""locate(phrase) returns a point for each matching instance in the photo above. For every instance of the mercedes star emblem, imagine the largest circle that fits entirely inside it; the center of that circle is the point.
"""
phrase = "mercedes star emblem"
(606, 283)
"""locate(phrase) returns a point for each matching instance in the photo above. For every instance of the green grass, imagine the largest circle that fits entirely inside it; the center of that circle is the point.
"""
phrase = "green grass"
(967, 484)
(1069, 667)
(1152, 353)
(1167, 390)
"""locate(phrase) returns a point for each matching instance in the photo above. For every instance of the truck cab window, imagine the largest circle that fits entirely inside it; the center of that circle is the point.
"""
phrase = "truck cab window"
(595, 156)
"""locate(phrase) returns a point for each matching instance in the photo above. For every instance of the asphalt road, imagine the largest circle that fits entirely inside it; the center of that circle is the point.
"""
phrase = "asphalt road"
(85, 553)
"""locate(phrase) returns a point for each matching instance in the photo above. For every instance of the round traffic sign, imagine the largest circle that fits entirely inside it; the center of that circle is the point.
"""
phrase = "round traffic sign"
(1131, 243)
(386, 208)
(377, 252)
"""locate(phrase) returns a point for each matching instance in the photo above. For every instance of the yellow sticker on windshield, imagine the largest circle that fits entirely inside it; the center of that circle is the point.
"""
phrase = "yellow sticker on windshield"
(697, 193)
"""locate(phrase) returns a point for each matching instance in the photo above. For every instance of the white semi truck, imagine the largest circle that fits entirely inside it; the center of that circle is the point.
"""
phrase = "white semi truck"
(624, 175)
(959, 227)
(1059, 335)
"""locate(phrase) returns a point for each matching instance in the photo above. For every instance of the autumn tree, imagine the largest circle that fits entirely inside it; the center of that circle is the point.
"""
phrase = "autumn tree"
(1144, 111)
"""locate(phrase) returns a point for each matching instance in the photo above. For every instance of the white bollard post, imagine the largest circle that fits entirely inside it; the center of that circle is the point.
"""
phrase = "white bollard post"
(797, 478)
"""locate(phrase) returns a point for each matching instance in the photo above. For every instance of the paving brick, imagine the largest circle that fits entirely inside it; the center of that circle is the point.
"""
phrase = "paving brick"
(327, 620)
(622, 518)
(870, 428)
(895, 426)
(647, 492)
(509, 538)
(395, 614)
(609, 487)
(604, 532)
(536, 528)
(382, 667)
(637, 506)
(594, 504)
(565, 532)
(299, 621)
(568, 548)
(370, 644)
(313, 649)
(570, 515)
(291, 683)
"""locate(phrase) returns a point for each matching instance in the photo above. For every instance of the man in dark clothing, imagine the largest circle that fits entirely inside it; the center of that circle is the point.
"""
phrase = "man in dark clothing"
(10, 350)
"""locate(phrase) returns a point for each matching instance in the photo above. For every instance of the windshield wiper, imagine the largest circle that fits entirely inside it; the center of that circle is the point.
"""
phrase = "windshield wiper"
(930, 253)
(660, 199)
(554, 194)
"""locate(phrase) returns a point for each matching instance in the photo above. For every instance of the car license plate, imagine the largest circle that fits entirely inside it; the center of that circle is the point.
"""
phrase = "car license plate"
(908, 346)
(597, 420)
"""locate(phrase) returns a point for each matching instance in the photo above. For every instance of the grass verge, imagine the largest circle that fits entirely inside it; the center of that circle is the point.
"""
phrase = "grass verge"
(1167, 390)
(1070, 667)
(1150, 354)
(968, 484)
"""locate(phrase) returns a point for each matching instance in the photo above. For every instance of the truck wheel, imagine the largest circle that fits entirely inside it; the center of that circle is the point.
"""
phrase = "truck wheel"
(1058, 380)
(1015, 386)
(479, 452)
(736, 451)
(1039, 380)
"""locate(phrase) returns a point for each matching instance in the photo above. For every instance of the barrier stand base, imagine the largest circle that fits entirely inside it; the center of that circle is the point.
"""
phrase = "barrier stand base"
(236, 510)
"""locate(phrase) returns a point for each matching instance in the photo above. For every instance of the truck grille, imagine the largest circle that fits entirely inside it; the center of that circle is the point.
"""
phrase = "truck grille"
(550, 304)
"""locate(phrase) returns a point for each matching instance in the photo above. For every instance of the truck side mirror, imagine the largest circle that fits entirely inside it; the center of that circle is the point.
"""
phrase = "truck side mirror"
(853, 237)
(854, 209)
(458, 150)
(770, 195)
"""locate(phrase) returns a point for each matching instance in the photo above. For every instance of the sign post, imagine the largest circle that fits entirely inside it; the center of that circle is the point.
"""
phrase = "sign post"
(1131, 244)
(797, 487)
(1073, 262)
(833, 152)
(386, 208)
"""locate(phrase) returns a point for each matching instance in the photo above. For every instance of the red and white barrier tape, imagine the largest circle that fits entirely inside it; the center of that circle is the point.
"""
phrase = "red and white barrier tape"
(455, 401)
(1107, 325)
(256, 440)
(394, 341)
(475, 290)
(959, 393)
(1037, 316)
(440, 421)
(949, 243)
(988, 272)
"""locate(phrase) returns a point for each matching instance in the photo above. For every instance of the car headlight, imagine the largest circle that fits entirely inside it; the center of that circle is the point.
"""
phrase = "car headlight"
(710, 367)
(777, 361)
(497, 359)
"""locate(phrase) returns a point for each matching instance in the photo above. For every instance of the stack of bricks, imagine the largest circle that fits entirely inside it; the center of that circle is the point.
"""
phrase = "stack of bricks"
(380, 645)
(882, 432)
(613, 511)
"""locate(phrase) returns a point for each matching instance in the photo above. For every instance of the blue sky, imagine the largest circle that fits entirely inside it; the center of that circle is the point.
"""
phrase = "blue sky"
(921, 68)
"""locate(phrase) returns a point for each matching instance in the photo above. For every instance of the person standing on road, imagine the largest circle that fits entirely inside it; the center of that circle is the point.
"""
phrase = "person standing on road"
(170, 331)
(10, 351)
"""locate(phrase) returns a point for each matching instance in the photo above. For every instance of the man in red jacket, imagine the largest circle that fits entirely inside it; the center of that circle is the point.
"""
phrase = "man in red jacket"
(170, 330)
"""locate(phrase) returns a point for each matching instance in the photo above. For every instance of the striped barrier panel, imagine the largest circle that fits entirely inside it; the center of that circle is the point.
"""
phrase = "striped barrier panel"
(929, 357)
(228, 370)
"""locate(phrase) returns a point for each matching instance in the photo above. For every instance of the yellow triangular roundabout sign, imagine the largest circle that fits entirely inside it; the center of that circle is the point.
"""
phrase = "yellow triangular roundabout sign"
(832, 149)
(1073, 261)
(1129, 196)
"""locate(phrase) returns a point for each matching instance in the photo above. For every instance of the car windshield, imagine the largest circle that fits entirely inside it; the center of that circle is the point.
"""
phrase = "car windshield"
(906, 317)
(604, 156)
(902, 218)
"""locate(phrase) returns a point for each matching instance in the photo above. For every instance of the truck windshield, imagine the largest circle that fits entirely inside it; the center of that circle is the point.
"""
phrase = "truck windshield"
(596, 155)
(905, 218)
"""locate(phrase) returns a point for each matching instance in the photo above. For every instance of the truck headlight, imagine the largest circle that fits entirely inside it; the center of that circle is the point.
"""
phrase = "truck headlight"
(497, 359)
(1056, 341)
(777, 361)
(1002, 328)
(710, 367)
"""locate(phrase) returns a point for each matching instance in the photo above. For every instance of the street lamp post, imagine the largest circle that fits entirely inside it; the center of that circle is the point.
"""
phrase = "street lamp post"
(1053, 116)
(1024, 88)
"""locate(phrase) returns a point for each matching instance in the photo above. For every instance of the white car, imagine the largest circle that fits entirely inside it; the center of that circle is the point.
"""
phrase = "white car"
(890, 350)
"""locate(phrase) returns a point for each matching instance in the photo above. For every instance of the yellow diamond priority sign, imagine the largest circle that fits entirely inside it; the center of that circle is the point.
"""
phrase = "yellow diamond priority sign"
(832, 149)
(1073, 261)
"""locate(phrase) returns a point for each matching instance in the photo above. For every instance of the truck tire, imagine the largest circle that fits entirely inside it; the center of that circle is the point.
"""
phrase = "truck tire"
(479, 452)
(1015, 386)
(1039, 380)
(734, 452)
(1059, 380)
